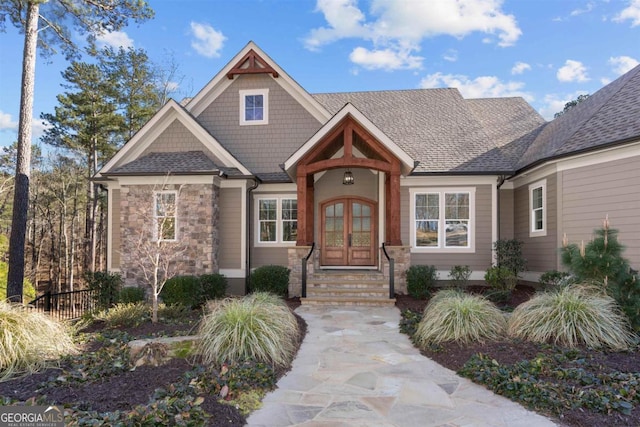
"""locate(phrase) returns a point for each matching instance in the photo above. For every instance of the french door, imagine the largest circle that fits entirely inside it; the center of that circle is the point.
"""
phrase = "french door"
(348, 232)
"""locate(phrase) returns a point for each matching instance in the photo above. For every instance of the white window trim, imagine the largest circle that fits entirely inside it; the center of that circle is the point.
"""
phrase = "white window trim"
(471, 248)
(155, 217)
(279, 242)
(265, 106)
(532, 231)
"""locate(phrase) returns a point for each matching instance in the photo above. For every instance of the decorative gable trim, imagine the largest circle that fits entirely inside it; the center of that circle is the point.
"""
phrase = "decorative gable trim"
(221, 82)
(252, 63)
(158, 124)
(349, 110)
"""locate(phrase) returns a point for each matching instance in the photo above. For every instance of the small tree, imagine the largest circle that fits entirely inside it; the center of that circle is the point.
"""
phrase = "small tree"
(509, 255)
(601, 261)
(157, 255)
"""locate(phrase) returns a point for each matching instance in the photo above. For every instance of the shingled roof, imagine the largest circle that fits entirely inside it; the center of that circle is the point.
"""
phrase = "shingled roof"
(609, 116)
(442, 130)
(189, 162)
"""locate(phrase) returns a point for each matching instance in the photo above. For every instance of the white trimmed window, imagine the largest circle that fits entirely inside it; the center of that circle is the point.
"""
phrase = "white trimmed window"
(442, 219)
(165, 215)
(254, 107)
(277, 220)
(538, 209)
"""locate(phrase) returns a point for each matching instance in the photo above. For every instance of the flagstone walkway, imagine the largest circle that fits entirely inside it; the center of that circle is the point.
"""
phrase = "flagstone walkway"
(355, 368)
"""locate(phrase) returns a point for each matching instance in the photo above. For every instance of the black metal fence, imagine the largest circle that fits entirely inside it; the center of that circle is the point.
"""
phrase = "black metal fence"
(65, 305)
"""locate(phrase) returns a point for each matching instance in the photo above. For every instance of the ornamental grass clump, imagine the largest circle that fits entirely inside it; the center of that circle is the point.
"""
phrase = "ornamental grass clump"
(578, 314)
(129, 314)
(29, 340)
(257, 327)
(452, 315)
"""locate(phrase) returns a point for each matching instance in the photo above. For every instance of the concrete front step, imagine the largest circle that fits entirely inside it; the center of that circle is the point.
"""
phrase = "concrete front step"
(348, 301)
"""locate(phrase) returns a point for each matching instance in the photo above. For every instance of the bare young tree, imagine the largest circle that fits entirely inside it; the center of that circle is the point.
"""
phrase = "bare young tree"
(158, 251)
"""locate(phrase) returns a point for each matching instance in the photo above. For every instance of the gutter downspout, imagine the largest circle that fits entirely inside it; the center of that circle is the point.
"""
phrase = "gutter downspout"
(249, 241)
(501, 180)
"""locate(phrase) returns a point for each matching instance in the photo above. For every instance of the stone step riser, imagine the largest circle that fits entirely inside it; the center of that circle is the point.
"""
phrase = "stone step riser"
(363, 295)
(363, 286)
(363, 303)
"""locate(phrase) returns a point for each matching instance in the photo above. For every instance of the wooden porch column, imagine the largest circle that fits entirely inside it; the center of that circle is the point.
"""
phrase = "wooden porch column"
(304, 184)
(392, 184)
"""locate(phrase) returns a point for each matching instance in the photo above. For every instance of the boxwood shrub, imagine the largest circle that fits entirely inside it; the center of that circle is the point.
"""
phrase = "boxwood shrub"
(131, 295)
(214, 286)
(193, 291)
(270, 278)
(420, 280)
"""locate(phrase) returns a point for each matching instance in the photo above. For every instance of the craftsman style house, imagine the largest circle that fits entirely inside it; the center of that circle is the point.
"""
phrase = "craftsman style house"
(254, 170)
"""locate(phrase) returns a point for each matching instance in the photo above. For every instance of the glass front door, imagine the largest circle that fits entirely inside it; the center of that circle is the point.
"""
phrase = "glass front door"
(348, 232)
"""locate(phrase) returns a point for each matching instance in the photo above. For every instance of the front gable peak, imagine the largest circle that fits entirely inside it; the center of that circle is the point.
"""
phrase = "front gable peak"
(252, 63)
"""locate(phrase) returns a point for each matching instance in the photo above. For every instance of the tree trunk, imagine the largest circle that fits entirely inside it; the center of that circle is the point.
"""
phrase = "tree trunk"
(15, 276)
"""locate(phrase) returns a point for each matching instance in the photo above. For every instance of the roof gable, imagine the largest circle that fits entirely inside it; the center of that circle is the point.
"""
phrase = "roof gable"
(251, 57)
(349, 110)
(135, 148)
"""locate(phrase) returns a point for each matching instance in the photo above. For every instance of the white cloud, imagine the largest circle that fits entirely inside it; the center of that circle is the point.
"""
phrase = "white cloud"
(10, 126)
(208, 42)
(451, 55)
(480, 87)
(344, 19)
(172, 86)
(115, 39)
(38, 127)
(588, 8)
(631, 12)
(622, 64)
(385, 59)
(554, 103)
(572, 71)
(520, 67)
(7, 123)
(397, 25)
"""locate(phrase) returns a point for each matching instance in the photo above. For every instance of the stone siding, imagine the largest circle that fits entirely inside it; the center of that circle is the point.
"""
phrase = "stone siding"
(196, 250)
(296, 254)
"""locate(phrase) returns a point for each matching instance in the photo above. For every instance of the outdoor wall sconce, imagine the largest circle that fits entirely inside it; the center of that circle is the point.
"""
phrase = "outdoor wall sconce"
(347, 179)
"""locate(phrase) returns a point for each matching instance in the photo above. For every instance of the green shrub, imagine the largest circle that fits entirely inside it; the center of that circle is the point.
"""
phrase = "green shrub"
(182, 290)
(420, 280)
(573, 315)
(131, 314)
(452, 315)
(601, 261)
(28, 340)
(270, 278)
(130, 294)
(107, 286)
(501, 283)
(459, 275)
(552, 278)
(213, 286)
(248, 329)
(509, 255)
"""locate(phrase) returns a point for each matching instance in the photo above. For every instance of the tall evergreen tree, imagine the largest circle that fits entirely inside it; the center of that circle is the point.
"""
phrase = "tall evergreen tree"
(59, 18)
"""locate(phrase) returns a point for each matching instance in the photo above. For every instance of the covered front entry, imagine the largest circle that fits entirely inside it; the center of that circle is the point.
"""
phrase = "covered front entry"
(348, 234)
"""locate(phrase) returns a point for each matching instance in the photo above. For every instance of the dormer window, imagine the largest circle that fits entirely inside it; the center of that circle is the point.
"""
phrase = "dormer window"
(254, 107)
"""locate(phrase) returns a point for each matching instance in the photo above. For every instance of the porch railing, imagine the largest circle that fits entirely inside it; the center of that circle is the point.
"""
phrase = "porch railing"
(65, 305)
(392, 274)
(304, 270)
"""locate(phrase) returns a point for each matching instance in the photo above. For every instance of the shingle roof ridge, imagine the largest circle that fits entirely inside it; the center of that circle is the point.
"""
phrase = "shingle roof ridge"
(386, 91)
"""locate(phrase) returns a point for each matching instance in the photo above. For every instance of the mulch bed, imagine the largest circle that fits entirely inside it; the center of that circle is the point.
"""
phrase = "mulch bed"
(124, 391)
(453, 356)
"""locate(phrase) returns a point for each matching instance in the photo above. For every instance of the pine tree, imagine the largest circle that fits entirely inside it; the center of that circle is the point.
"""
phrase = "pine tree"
(601, 261)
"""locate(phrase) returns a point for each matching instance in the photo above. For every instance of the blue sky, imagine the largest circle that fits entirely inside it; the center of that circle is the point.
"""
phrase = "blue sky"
(547, 51)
